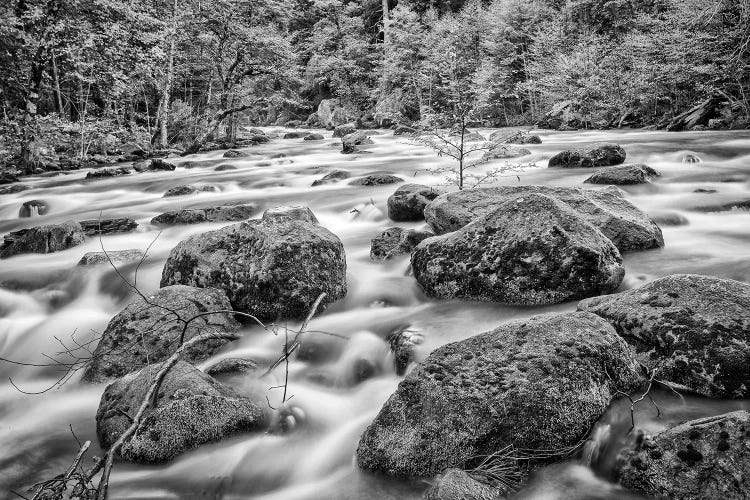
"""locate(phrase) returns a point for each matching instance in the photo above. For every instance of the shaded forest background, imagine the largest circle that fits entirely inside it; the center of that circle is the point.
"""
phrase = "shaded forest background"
(83, 81)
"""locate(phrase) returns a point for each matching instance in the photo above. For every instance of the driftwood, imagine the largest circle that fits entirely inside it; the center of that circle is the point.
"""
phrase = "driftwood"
(697, 115)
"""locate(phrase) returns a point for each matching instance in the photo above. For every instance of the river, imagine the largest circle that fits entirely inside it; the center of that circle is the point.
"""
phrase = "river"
(44, 298)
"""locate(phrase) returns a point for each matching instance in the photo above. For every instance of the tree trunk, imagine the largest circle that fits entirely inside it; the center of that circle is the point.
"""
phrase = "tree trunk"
(170, 76)
(58, 94)
(29, 124)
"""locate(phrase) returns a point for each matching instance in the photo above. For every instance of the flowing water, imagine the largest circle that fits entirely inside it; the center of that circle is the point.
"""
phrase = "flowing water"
(46, 299)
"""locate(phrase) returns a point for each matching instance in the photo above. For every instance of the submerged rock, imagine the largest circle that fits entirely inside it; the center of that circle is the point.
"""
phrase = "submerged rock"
(115, 256)
(94, 227)
(291, 212)
(191, 409)
(376, 180)
(107, 172)
(396, 241)
(225, 167)
(350, 142)
(725, 207)
(332, 177)
(403, 342)
(518, 137)
(704, 459)
(188, 189)
(695, 329)
(536, 384)
(295, 135)
(233, 153)
(624, 175)
(313, 137)
(223, 213)
(149, 331)
(456, 484)
(409, 201)
(344, 129)
(273, 268)
(669, 219)
(14, 188)
(624, 224)
(532, 249)
(502, 151)
(33, 208)
(597, 155)
(42, 239)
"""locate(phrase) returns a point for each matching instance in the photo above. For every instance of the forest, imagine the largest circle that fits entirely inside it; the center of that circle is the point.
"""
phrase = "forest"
(82, 80)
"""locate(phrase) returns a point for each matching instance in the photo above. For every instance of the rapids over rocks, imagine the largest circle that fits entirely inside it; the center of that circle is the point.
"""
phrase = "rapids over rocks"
(47, 298)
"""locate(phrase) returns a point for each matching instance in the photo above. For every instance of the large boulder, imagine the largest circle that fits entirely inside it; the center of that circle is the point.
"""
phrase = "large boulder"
(532, 249)
(334, 112)
(350, 142)
(223, 213)
(42, 239)
(408, 202)
(295, 135)
(150, 330)
(94, 227)
(536, 385)
(704, 459)
(624, 224)
(396, 241)
(191, 409)
(564, 115)
(695, 330)
(596, 155)
(272, 268)
(624, 175)
(14, 188)
(313, 137)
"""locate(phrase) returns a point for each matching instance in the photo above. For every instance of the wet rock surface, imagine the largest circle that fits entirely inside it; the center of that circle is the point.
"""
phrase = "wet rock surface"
(149, 331)
(225, 213)
(456, 484)
(596, 155)
(695, 329)
(704, 459)
(332, 177)
(94, 227)
(536, 384)
(42, 239)
(627, 226)
(624, 175)
(191, 409)
(532, 249)
(272, 268)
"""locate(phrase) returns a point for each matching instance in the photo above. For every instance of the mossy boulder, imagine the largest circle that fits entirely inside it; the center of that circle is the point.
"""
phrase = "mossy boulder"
(350, 142)
(42, 239)
(695, 329)
(628, 227)
(376, 180)
(332, 177)
(408, 202)
(537, 384)
(596, 155)
(704, 459)
(532, 249)
(624, 175)
(273, 268)
(147, 331)
(191, 409)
